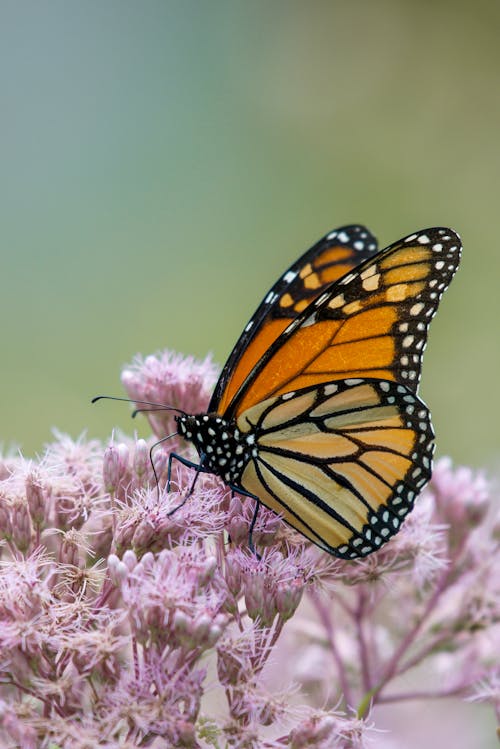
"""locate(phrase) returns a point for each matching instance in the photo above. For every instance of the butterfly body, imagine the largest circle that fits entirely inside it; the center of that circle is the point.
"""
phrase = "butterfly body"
(316, 412)
(223, 450)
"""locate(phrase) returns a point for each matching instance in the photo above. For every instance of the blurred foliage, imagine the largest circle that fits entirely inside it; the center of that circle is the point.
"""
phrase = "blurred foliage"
(162, 162)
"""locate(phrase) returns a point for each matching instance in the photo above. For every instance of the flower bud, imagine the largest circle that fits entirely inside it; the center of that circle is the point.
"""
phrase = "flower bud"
(160, 460)
(237, 526)
(139, 569)
(180, 623)
(266, 535)
(144, 535)
(254, 594)
(129, 559)
(232, 574)
(112, 469)
(21, 525)
(201, 627)
(121, 572)
(235, 507)
(148, 560)
(5, 519)
(207, 571)
(288, 596)
(259, 597)
(118, 571)
(69, 550)
(238, 530)
(214, 633)
(35, 496)
(155, 617)
(141, 459)
(124, 534)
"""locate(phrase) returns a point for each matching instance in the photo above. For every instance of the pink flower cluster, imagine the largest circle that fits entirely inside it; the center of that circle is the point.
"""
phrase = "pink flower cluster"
(123, 625)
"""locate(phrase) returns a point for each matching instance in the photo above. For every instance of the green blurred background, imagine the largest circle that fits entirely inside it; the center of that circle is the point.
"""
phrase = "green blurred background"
(162, 162)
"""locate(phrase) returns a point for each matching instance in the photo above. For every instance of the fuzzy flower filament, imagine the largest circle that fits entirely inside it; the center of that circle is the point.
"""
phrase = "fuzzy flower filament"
(123, 624)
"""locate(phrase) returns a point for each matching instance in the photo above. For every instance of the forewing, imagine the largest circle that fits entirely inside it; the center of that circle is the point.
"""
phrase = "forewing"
(372, 323)
(342, 462)
(337, 253)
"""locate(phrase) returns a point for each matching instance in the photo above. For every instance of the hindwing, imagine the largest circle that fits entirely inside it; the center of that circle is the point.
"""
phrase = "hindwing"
(342, 462)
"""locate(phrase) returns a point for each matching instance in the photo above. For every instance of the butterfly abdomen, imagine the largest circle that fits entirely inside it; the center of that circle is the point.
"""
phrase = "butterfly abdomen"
(222, 448)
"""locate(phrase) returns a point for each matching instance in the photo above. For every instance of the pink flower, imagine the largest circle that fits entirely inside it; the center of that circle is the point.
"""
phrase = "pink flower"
(461, 499)
(132, 615)
(171, 380)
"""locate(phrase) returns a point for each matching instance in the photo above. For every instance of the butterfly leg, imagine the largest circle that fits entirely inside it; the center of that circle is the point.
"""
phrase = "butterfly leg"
(252, 526)
(241, 491)
(189, 464)
(185, 462)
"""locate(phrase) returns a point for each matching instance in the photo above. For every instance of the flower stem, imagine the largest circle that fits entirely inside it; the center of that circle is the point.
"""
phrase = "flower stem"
(324, 615)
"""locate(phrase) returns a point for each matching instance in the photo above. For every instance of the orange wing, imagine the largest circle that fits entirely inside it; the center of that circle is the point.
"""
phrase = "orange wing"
(372, 323)
(336, 254)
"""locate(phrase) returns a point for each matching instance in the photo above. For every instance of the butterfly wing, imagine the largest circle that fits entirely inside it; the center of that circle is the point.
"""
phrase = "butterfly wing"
(342, 462)
(337, 253)
(371, 323)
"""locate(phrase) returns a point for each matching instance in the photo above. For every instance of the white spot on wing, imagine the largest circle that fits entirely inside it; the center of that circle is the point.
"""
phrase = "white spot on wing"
(309, 320)
(271, 297)
(330, 389)
(417, 308)
(350, 277)
(321, 300)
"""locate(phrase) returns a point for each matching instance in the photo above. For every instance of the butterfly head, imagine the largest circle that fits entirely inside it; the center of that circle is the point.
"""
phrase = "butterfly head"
(222, 448)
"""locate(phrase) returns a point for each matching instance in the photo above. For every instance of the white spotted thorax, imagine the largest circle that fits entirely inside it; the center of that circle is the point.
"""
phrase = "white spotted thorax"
(222, 448)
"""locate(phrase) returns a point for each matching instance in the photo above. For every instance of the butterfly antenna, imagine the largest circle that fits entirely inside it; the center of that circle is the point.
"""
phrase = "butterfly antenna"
(163, 439)
(157, 406)
(149, 410)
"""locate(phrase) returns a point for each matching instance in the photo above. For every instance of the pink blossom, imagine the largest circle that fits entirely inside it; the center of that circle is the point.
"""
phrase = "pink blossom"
(170, 379)
(462, 499)
(132, 617)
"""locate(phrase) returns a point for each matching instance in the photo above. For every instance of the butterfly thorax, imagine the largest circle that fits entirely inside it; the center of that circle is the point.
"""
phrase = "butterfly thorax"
(222, 448)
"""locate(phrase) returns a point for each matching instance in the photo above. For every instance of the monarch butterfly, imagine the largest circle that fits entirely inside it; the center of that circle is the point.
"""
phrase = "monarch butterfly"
(316, 412)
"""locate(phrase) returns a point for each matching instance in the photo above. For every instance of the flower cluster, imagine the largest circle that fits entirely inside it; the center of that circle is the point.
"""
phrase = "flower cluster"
(130, 617)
